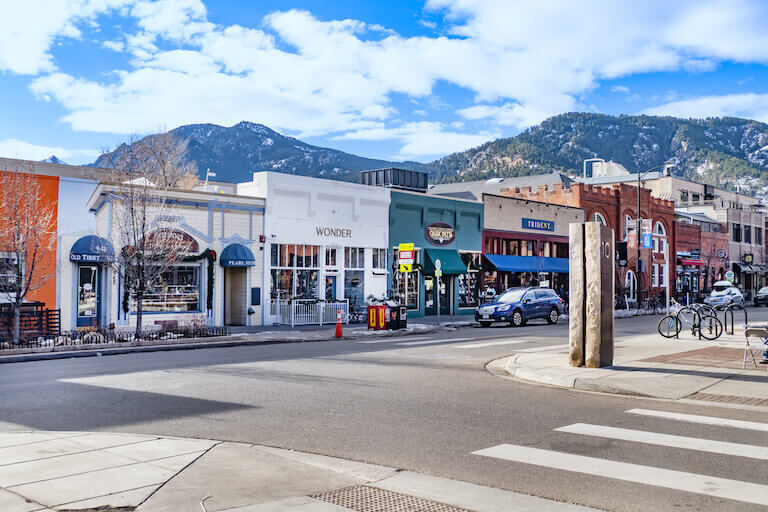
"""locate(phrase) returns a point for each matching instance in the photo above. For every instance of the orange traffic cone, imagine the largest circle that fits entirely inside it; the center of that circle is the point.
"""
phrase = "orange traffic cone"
(338, 333)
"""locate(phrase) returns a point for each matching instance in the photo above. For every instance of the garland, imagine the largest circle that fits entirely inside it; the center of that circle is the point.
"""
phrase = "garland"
(208, 254)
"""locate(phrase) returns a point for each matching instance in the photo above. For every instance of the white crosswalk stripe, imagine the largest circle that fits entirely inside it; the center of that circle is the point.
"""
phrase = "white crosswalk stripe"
(492, 343)
(672, 441)
(648, 475)
(705, 420)
(431, 342)
(702, 484)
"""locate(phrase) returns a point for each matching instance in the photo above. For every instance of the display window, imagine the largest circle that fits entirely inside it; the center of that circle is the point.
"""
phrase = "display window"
(176, 290)
(300, 275)
(469, 284)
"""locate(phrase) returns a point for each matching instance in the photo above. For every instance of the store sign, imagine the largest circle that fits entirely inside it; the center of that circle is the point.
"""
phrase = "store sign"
(440, 233)
(722, 254)
(749, 258)
(647, 241)
(405, 257)
(334, 232)
(541, 225)
(174, 237)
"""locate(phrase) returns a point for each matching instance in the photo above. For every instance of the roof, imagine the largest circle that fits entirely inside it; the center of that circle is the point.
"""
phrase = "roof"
(696, 216)
(474, 190)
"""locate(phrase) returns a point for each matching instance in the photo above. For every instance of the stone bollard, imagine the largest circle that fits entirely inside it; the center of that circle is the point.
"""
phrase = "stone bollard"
(591, 282)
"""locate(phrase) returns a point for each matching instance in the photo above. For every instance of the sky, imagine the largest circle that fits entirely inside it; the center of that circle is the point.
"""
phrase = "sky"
(401, 80)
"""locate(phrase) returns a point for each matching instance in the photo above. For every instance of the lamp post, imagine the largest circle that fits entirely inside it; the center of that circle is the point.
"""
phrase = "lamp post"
(640, 175)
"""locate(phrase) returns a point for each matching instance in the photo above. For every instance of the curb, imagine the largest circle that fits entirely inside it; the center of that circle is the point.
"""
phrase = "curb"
(231, 342)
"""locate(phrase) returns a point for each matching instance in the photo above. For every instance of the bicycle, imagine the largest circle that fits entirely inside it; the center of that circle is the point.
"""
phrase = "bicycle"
(700, 319)
(652, 306)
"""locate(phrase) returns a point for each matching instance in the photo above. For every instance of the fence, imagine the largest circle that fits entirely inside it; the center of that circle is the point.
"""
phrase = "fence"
(99, 337)
(308, 312)
(34, 321)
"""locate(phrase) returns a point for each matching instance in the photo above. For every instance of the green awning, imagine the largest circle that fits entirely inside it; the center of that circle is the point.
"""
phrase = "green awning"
(450, 261)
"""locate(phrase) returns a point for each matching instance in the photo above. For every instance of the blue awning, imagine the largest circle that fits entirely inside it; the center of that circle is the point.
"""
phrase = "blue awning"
(92, 249)
(237, 255)
(533, 264)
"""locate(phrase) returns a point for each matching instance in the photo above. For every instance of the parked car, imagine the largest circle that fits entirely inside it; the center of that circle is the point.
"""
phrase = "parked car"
(518, 305)
(761, 297)
(724, 293)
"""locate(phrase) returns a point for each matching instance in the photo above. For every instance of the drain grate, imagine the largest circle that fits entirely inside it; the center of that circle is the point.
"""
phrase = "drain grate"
(363, 498)
(730, 399)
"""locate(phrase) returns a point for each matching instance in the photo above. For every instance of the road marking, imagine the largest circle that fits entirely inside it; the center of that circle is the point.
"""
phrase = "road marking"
(493, 343)
(704, 420)
(689, 443)
(430, 342)
(387, 340)
(544, 349)
(647, 475)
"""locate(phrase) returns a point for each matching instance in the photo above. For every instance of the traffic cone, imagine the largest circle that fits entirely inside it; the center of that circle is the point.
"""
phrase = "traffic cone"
(338, 333)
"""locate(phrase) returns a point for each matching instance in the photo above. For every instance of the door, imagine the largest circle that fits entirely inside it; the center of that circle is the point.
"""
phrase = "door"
(235, 296)
(430, 297)
(330, 288)
(88, 296)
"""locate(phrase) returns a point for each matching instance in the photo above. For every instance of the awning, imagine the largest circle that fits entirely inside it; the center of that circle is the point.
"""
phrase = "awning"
(692, 262)
(92, 249)
(746, 268)
(237, 255)
(528, 263)
(450, 261)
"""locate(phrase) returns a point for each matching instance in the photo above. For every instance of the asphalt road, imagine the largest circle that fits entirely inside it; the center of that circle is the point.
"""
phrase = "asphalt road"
(423, 403)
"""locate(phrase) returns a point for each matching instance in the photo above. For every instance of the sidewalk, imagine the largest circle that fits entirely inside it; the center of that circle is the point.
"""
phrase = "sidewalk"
(652, 366)
(77, 471)
(253, 336)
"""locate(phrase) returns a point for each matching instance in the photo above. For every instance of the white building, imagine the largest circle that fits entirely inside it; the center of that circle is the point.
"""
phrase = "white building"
(223, 233)
(325, 240)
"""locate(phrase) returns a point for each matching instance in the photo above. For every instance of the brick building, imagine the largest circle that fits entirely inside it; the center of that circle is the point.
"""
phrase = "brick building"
(616, 207)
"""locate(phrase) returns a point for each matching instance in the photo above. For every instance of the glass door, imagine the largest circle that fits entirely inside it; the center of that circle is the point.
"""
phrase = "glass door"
(430, 298)
(88, 296)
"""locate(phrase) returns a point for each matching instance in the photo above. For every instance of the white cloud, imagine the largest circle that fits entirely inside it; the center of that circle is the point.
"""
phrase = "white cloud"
(14, 148)
(115, 46)
(518, 115)
(620, 88)
(422, 140)
(752, 106)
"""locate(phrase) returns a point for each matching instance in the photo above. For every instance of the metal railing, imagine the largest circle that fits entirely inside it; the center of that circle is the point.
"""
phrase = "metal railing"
(308, 312)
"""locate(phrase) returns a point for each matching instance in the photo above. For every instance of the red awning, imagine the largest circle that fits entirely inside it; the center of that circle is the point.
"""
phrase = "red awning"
(697, 263)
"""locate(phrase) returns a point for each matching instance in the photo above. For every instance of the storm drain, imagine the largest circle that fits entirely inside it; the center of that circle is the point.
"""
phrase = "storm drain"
(362, 498)
(730, 399)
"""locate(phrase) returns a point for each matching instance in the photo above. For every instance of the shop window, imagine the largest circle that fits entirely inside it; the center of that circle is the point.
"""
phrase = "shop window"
(736, 232)
(299, 277)
(353, 286)
(87, 291)
(747, 234)
(379, 258)
(469, 284)
(306, 284)
(354, 257)
(410, 299)
(282, 284)
(330, 257)
(177, 290)
(8, 272)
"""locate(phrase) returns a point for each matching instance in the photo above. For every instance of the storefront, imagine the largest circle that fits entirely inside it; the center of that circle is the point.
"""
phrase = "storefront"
(525, 243)
(215, 281)
(444, 230)
(325, 241)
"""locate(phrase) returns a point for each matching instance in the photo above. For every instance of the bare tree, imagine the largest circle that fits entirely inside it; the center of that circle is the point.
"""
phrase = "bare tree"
(142, 174)
(27, 233)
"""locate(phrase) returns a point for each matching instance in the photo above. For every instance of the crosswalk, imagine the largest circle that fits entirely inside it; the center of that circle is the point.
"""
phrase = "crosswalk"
(746, 492)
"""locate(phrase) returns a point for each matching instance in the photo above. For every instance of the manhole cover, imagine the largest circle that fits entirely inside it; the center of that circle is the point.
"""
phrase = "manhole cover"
(362, 498)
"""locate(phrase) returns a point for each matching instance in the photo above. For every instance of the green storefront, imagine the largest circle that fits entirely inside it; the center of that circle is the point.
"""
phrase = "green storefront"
(448, 230)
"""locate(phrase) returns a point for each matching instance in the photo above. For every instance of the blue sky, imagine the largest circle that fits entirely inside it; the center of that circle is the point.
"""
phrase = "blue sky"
(396, 80)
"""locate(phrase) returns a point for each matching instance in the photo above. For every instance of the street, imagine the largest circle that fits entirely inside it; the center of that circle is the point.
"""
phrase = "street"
(424, 403)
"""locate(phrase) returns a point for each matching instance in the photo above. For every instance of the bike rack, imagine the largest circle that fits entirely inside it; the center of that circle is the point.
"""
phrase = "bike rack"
(697, 324)
(728, 311)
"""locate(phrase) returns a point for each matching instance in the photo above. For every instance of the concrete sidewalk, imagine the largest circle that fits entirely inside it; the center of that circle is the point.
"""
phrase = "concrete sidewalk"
(77, 471)
(653, 366)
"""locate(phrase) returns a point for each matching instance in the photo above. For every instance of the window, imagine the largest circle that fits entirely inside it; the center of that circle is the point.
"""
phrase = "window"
(598, 217)
(736, 230)
(353, 287)
(411, 298)
(747, 234)
(87, 291)
(628, 226)
(469, 284)
(662, 275)
(655, 275)
(659, 238)
(695, 197)
(299, 275)
(354, 257)
(8, 272)
(683, 196)
(630, 283)
(758, 236)
(330, 257)
(176, 290)
(380, 258)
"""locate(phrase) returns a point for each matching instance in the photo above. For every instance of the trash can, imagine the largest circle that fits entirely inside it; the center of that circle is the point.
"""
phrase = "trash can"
(377, 317)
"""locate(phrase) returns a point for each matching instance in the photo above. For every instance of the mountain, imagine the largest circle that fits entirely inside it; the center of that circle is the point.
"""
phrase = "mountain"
(54, 160)
(728, 152)
(234, 152)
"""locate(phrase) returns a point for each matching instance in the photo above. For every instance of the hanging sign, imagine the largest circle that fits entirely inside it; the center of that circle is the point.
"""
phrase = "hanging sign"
(405, 257)
(647, 240)
(440, 233)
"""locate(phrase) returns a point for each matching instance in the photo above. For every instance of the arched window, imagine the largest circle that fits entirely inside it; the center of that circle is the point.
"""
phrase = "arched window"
(659, 238)
(630, 283)
(598, 217)
(629, 223)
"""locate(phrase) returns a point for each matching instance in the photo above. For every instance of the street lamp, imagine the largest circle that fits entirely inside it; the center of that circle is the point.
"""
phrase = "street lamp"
(640, 175)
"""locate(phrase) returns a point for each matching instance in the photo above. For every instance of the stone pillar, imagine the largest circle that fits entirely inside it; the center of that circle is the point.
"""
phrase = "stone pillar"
(591, 283)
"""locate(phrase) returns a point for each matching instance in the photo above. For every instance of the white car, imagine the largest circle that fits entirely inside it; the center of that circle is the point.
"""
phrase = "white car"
(724, 294)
